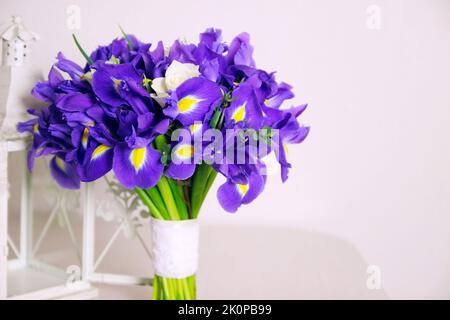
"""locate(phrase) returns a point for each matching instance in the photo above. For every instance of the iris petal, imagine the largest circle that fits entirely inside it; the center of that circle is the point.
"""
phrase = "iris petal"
(138, 167)
(64, 173)
(195, 96)
(231, 196)
(97, 162)
(245, 108)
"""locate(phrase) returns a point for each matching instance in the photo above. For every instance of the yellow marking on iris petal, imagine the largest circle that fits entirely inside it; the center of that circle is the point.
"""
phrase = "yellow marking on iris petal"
(88, 76)
(36, 128)
(137, 158)
(90, 124)
(60, 163)
(116, 83)
(239, 114)
(185, 152)
(195, 127)
(84, 138)
(187, 104)
(266, 102)
(285, 148)
(101, 149)
(242, 188)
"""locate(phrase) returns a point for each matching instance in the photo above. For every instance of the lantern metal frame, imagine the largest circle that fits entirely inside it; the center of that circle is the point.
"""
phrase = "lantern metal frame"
(90, 260)
(25, 260)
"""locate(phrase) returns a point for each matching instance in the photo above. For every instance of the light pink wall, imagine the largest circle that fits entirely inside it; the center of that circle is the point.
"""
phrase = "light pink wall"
(375, 170)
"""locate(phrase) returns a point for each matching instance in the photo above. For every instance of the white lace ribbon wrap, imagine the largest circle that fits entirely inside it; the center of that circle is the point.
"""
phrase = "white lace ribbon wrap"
(175, 247)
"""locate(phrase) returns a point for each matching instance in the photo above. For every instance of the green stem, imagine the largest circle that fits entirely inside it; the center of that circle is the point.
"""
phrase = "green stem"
(156, 288)
(186, 289)
(166, 288)
(179, 289)
(147, 201)
(166, 194)
(209, 182)
(191, 281)
(179, 202)
(198, 186)
(174, 289)
(155, 196)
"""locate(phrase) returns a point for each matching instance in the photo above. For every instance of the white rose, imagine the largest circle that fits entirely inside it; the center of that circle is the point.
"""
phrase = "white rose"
(178, 72)
(160, 88)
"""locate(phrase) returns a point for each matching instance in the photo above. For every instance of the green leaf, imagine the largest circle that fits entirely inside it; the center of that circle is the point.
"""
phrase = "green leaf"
(164, 148)
(160, 142)
(85, 55)
(130, 45)
(215, 118)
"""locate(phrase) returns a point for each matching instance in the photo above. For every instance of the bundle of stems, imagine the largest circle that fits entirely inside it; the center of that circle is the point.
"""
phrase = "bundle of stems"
(176, 200)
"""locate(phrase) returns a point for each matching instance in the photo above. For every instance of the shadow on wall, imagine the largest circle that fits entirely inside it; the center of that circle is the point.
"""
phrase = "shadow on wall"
(273, 263)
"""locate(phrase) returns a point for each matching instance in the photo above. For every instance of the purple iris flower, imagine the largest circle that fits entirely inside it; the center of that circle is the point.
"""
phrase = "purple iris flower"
(52, 137)
(137, 164)
(119, 48)
(245, 109)
(65, 173)
(232, 195)
(121, 84)
(192, 100)
(240, 51)
(209, 55)
(187, 151)
(290, 132)
(182, 52)
(70, 67)
(283, 93)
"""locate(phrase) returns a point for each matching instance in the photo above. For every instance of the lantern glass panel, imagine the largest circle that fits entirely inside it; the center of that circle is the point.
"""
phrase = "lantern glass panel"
(48, 243)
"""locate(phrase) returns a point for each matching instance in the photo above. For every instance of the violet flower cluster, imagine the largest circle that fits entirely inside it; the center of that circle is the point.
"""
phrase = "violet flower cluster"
(119, 111)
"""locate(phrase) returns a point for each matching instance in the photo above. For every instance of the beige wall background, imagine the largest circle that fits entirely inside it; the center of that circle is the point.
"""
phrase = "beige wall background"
(375, 170)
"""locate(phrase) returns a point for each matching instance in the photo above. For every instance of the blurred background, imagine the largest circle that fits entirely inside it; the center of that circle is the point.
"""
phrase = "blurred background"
(366, 210)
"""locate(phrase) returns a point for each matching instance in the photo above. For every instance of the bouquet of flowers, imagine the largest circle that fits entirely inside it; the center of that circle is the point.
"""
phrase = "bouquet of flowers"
(166, 121)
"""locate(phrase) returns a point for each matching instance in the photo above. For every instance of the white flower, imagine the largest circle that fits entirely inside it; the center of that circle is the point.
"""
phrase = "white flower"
(176, 74)
(160, 88)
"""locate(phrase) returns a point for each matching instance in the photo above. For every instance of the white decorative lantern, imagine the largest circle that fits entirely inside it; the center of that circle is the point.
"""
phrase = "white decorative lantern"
(17, 74)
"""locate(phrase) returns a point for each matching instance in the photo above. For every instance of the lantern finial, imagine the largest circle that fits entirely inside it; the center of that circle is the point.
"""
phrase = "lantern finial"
(16, 41)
